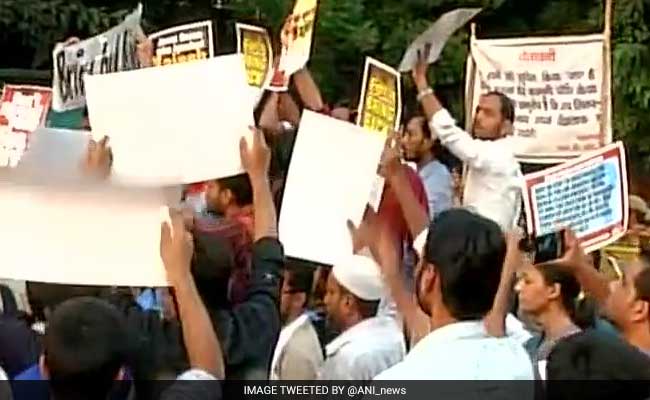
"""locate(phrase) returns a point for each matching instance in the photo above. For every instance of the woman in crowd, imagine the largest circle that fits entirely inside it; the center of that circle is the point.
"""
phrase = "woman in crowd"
(550, 296)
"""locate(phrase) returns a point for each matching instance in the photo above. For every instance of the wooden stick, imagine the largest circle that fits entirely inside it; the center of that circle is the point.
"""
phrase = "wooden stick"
(606, 135)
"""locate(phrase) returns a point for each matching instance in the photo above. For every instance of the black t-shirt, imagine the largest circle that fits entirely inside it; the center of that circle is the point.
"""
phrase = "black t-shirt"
(193, 390)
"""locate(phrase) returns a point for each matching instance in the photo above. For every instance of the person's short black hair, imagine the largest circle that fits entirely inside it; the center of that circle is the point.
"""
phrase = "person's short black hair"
(507, 105)
(367, 309)
(301, 276)
(85, 346)
(42, 296)
(467, 251)
(610, 364)
(240, 186)
(300, 279)
(212, 264)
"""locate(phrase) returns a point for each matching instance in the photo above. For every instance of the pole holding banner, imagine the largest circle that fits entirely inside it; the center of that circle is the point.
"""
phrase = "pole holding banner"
(607, 72)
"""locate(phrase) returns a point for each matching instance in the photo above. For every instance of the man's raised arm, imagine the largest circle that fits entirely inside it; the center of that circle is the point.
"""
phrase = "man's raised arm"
(443, 126)
(256, 158)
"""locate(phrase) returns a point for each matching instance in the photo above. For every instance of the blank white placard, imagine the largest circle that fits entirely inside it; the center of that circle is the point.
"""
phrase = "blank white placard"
(332, 172)
(173, 124)
(81, 235)
(54, 155)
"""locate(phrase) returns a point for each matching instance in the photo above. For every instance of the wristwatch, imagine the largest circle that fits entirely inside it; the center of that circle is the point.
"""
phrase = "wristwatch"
(423, 93)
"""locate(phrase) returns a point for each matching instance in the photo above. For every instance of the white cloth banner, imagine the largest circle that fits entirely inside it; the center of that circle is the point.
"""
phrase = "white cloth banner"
(558, 85)
(321, 195)
(81, 235)
(111, 51)
(180, 123)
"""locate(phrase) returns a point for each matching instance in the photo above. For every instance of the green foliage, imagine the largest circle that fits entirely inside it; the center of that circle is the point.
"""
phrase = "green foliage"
(37, 25)
(631, 61)
(349, 30)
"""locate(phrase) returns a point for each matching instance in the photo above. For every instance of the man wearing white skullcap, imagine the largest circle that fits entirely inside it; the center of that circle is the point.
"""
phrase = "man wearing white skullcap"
(368, 343)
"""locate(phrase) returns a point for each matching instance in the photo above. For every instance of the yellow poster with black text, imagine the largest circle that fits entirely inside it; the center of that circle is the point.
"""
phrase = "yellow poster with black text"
(254, 44)
(380, 107)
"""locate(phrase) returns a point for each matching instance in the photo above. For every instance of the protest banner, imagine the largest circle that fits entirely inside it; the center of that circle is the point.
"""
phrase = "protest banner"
(22, 110)
(183, 43)
(560, 87)
(588, 195)
(111, 51)
(203, 108)
(335, 192)
(84, 226)
(380, 108)
(254, 44)
(296, 38)
(436, 36)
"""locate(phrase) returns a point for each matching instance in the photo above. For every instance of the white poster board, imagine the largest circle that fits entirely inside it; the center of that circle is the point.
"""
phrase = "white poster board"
(81, 235)
(111, 51)
(54, 156)
(560, 88)
(588, 195)
(436, 36)
(332, 171)
(182, 123)
(183, 43)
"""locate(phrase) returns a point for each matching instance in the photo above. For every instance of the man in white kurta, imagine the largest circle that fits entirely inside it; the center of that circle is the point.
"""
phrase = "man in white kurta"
(369, 343)
(494, 178)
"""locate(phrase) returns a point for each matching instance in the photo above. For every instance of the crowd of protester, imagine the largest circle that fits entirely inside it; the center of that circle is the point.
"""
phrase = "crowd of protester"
(439, 288)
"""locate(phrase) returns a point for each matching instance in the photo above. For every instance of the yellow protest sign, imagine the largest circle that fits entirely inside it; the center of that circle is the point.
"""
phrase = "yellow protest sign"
(380, 107)
(254, 43)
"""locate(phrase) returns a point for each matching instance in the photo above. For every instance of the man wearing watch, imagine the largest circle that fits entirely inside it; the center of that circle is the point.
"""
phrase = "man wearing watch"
(492, 188)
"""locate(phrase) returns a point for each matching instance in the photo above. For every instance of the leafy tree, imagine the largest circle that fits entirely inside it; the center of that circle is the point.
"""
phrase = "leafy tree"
(29, 28)
(349, 30)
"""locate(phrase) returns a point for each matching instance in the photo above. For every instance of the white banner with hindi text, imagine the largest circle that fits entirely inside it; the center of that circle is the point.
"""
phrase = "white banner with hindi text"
(560, 86)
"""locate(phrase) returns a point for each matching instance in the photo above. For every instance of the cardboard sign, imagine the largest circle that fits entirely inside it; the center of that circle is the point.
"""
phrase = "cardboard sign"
(22, 110)
(81, 235)
(380, 108)
(54, 156)
(437, 36)
(321, 195)
(183, 43)
(111, 51)
(181, 123)
(588, 195)
(296, 37)
(560, 88)
(255, 45)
